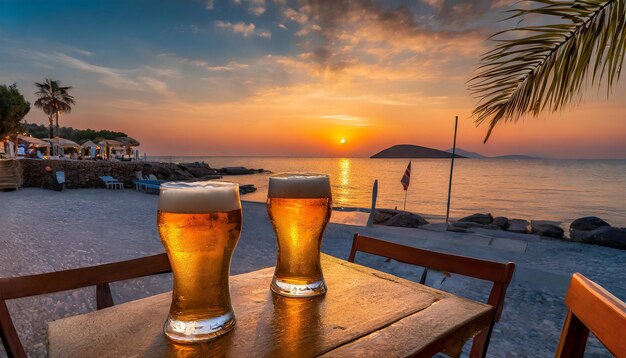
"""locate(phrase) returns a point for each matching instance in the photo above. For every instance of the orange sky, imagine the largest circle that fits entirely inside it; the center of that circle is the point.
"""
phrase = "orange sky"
(291, 78)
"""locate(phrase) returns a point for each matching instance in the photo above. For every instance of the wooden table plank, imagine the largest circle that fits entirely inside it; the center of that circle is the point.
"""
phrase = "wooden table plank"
(447, 324)
(359, 301)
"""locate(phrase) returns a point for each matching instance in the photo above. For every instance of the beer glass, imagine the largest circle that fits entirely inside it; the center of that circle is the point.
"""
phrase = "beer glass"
(199, 224)
(299, 207)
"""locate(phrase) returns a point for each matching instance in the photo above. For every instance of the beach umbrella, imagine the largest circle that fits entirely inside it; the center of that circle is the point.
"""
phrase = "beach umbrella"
(89, 144)
(63, 142)
(111, 143)
(128, 141)
(36, 142)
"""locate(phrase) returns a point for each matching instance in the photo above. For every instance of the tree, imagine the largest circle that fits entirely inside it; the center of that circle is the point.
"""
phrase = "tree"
(53, 99)
(545, 67)
(13, 108)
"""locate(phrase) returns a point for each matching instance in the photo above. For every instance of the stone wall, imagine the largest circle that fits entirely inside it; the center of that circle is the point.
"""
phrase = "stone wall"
(86, 173)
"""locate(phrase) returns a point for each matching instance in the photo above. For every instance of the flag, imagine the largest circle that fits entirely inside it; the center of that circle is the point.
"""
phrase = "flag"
(406, 178)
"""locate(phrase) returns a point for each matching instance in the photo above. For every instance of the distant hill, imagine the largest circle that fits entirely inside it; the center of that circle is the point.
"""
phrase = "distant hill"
(467, 153)
(475, 155)
(515, 156)
(412, 151)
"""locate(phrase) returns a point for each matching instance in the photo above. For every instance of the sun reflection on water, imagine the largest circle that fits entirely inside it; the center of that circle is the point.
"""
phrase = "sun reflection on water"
(342, 192)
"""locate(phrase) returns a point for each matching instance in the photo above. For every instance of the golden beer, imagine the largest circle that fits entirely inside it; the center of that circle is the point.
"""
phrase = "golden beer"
(299, 207)
(199, 224)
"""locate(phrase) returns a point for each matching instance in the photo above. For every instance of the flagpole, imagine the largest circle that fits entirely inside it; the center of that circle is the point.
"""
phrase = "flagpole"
(456, 122)
(406, 191)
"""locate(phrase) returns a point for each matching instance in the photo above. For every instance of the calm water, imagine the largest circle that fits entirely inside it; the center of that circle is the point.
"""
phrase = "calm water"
(560, 190)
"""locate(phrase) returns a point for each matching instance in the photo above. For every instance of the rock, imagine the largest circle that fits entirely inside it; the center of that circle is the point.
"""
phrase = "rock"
(247, 188)
(453, 228)
(198, 169)
(588, 223)
(383, 215)
(518, 225)
(206, 177)
(484, 219)
(546, 228)
(237, 171)
(468, 225)
(603, 236)
(405, 219)
(501, 222)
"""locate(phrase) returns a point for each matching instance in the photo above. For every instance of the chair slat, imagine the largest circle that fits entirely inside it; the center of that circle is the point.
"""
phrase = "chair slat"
(24, 286)
(466, 266)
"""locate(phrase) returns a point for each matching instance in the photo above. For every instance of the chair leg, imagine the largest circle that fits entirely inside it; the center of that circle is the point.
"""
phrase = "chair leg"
(8, 334)
(424, 274)
(481, 341)
(104, 298)
(573, 338)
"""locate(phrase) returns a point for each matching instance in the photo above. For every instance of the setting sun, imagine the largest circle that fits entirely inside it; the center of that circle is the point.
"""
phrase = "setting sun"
(342, 141)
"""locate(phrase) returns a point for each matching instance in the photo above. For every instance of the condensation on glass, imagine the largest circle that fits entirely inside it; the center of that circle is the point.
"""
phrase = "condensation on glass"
(299, 206)
(199, 224)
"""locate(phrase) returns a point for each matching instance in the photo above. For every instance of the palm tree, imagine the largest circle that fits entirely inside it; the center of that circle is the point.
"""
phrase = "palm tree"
(544, 67)
(53, 99)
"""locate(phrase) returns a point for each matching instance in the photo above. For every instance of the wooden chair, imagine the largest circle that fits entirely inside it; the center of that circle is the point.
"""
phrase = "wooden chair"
(498, 273)
(99, 276)
(591, 308)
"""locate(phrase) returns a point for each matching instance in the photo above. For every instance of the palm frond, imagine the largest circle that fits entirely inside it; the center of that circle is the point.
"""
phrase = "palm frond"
(52, 97)
(544, 67)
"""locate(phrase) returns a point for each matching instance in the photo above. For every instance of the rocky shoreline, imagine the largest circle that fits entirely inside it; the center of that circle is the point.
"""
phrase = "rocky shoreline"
(588, 230)
(86, 174)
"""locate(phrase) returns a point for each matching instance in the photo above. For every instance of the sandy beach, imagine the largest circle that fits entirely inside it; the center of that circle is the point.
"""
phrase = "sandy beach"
(45, 231)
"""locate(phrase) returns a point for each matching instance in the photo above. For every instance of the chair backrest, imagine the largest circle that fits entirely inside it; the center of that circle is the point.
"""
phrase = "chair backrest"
(498, 273)
(99, 276)
(591, 308)
(106, 178)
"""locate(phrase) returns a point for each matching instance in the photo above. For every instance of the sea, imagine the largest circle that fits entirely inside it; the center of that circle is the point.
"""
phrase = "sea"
(532, 189)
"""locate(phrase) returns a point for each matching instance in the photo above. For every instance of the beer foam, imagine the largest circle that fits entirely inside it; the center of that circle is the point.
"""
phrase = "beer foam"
(299, 186)
(199, 197)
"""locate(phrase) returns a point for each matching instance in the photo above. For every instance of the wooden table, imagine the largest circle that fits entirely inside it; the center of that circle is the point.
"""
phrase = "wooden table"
(365, 312)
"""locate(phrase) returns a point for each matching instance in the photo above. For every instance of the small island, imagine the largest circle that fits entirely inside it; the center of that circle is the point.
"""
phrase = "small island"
(412, 151)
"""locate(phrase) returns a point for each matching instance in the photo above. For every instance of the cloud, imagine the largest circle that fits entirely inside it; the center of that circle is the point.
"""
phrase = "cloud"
(246, 30)
(455, 13)
(156, 85)
(256, 7)
(367, 39)
(353, 121)
(230, 66)
(209, 5)
(81, 51)
(145, 79)
(437, 4)
(110, 76)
